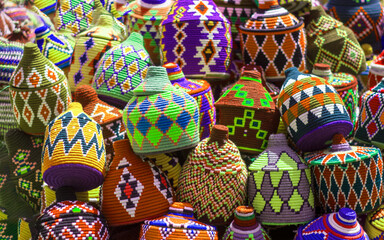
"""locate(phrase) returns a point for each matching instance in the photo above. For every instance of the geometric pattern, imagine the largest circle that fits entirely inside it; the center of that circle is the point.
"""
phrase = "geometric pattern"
(375, 71)
(351, 179)
(309, 100)
(371, 119)
(374, 224)
(279, 186)
(72, 220)
(214, 181)
(121, 70)
(332, 43)
(197, 36)
(278, 50)
(160, 181)
(46, 6)
(179, 223)
(145, 19)
(162, 121)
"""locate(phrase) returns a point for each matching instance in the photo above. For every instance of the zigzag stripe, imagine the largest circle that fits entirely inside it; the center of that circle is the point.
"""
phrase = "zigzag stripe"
(63, 136)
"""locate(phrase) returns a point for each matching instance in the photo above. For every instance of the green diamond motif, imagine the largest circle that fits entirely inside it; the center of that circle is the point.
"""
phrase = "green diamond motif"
(261, 134)
(258, 203)
(286, 162)
(265, 103)
(76, 210)
(239, 122)
(154, 136)
(276, 202)
(241, 94)
(275, 178)
(255, 124)
(296, 201)
(258, 178)
(174, 133)
(248, 102)
(249, 114)
(231, 130)
(138, 137)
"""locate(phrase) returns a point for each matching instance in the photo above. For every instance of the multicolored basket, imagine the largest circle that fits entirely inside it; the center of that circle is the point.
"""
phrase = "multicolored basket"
(46, 6)
(121, 70)
(70, 220)
(109, 118)
(369, 130)
(89, 49)
(346, 86)
(374, 224)
(214, 179)
(347, 176)
(279, 185)
(197, 37)
(134, 190)
(38, 91)
(245, 226)
(145, 17)
(335, 226)
(74, 151)
(298, 7)
(332, 43)
(249, 112)
(168, 163)
(376, 71)
(274, 39)
(179, 223)
(201, 91)
(311, 110)
(57, 48)
(161, 118)
(365, 18)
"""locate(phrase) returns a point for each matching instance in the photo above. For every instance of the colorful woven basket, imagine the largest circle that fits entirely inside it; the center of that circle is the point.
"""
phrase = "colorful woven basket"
(274, 39)
(134, 190)
(46, 6)
(237, 12)
(145, 17)
(312, 110)
(25, 165)
(245, 226)
(346, 86)
(109, 117)
(249, 112)
(376, 71)
(179, 223)
(38, 91)
(347, 176)
(121, 70)
(71, 220)
(335, 226)
(57, 48)
(214, 179)
(169, 164)
(89, 49)
(197, 37)
(371, 117)
(297, 7)
(161, 118)
(7, 26)
(374, 224)
(74, 151)
(201, 91)
(279, 185)
(365, 18)
(332, 43)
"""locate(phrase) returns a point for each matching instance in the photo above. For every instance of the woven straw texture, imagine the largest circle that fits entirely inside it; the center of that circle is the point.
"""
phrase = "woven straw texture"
(10, 56)
(371, 118)
(134, 190)
(109, 118)
(376, 71)
(25, 165)
(74, 151)
(57, 48)
(179, 223)
(245, 226)
(197, 36)
(23, 231)
(214, 179)
(121, 70)
(145, 17)
(365, 18)
(250, 114)
(347, 176)
(169, 164)
(274, 39)
(161, 118)
(297, 7)
(335, 226)
(6, 24)
(374, 226)
(71, 220)
(89, 49)
(201, 91)
(330, 42)
(279, 185)
(46, 6)
(38, 91)
(312, 110)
